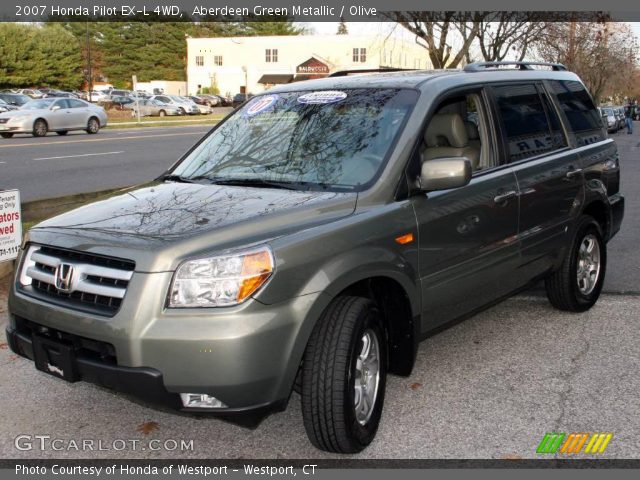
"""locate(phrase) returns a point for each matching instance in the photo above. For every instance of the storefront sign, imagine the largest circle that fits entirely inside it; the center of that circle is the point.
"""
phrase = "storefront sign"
(313, 66)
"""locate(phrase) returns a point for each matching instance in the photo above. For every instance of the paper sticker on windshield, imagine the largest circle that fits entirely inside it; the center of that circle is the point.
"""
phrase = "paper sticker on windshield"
(260, 104)
(329, 96)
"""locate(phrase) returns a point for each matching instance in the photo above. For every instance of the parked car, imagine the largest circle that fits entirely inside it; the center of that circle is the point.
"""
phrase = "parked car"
(98, 96)
(155, 108)
(5, 107)
(317, 234)
(209, 100)
(60, 115)
(31, 92)
(120, 93)
(15, 99)
(119, 102)
(613, 125)
(185, 105)
(619, 112)
(205, 109)
(59, 94)
(240, 98)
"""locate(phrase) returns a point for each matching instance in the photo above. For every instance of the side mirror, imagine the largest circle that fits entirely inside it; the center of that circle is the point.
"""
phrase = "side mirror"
(55, 107)
(445, 173)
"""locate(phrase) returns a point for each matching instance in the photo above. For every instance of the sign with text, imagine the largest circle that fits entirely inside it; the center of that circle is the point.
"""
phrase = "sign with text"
(10, 224)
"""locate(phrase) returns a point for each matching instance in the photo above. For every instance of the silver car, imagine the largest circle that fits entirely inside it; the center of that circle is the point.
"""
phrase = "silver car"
(60, 115)
(154, 108)
(187, 106)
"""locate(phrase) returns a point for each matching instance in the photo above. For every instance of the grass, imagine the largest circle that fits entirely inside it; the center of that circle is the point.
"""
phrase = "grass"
(161, 124)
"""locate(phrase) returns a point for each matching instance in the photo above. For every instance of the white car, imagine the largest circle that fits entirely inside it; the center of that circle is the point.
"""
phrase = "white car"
(60, 115)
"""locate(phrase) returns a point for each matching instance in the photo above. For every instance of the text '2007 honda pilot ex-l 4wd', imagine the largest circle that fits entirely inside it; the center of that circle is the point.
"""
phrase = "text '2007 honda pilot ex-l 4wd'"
(317, 234)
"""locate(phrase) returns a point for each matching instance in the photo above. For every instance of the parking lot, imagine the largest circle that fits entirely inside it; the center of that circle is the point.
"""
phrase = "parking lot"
(489, 387)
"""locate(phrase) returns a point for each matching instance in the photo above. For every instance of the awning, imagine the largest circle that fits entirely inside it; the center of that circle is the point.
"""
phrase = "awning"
(275, 78)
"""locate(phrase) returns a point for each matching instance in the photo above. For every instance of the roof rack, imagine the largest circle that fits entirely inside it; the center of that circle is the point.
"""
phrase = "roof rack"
(345, 73)
(484, 66)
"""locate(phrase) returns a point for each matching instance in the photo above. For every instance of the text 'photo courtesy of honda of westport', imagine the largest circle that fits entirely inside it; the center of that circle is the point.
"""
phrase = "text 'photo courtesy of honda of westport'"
(315, 236)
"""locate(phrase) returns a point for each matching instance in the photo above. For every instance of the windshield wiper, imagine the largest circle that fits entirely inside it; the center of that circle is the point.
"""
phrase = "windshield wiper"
(171, 177)
(256, 182)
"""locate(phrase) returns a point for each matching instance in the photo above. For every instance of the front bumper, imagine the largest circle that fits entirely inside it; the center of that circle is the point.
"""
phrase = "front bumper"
(247, 356)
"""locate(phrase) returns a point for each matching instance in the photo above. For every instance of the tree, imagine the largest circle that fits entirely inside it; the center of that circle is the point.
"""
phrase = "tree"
(435, 31)
(508, 33)
(603, 54)
(31, 55)
(342, 27)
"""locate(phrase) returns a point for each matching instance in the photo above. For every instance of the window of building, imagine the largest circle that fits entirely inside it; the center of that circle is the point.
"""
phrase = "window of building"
(199, 60)
(217, 60)
(271, 55)
(580, 111)
(525, 121)
(359, 55)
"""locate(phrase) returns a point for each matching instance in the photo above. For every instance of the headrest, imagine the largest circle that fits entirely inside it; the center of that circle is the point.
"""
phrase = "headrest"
(449, 126)
(472, 130)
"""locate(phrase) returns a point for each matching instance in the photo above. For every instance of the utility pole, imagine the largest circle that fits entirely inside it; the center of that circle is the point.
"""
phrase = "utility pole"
(90, 82)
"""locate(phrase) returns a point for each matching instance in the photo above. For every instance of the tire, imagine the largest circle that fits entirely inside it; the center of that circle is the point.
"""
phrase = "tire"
(6, 135)
(93, 126)
(182, 111)
(332, 375)
(162, 113)
(62, 132)
(40, 128)
(569, 288)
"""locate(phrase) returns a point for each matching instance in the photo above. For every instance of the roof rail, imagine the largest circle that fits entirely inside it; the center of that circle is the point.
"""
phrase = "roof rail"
(484, 66)
(345, 73)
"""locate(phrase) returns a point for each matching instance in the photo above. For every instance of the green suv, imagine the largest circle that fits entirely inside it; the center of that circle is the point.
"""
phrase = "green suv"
(317, 234)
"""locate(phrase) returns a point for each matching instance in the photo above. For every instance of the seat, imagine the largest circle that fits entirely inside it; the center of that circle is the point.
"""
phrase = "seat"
(447, 136)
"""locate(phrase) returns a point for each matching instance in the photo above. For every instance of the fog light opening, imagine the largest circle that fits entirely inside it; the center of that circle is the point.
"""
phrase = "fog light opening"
(200, 400)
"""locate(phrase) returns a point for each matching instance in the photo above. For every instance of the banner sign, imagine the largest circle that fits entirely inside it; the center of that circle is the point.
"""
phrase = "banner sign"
(10, 225)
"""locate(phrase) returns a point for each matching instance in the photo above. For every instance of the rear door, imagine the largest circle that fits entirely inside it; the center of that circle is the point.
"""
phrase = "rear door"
(548, 172)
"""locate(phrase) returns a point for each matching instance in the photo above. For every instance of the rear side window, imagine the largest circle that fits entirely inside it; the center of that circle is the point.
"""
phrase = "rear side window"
(582, 115)
(525, 122)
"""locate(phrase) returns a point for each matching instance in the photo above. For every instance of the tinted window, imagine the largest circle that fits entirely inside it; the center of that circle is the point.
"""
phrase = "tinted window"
(524, 121)
(62, 103)
(76, 104)
(580, 111)
(558, 138)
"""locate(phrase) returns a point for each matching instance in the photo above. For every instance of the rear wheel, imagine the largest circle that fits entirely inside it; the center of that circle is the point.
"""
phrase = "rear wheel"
(577, 284)
(62, 132)
(344, 376)
(182, 111)
(40, 128)
(6, 135)
(93, 126)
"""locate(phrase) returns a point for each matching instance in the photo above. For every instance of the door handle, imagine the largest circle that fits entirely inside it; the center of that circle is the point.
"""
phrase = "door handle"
(574, 172)
(506, 196)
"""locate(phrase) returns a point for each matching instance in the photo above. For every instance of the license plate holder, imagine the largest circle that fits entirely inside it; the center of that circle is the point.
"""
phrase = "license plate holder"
(55, 358)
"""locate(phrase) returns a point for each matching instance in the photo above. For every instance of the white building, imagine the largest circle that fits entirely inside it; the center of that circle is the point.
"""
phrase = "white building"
(254, 64)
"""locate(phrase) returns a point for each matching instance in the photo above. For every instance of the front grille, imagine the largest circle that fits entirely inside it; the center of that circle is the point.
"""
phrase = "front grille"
(80, 280)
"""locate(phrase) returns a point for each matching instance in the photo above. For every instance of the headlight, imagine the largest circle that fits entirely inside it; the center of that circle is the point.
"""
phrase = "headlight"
(222, 280)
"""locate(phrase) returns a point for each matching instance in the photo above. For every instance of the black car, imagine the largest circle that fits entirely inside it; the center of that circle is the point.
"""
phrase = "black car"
(240, 98)
(15, 99)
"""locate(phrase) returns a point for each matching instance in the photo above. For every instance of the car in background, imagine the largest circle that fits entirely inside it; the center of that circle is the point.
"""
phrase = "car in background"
(203, 105)
(186, 105)
(118, 102)
(59, 94)
(610, 119)
(619, 112)
(98, 96)
(31, 92)
(212, 100)
(120, 93)
(5, 107)
(240, 98)
(60, 115)
(154, 108)
(15, 99)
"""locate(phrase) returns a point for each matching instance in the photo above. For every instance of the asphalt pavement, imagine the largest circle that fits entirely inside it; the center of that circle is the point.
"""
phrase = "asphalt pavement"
(56, 166)
(489, 387)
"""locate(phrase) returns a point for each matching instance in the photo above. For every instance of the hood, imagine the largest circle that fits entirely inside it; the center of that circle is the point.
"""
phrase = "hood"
(185, 219)
(18, 112)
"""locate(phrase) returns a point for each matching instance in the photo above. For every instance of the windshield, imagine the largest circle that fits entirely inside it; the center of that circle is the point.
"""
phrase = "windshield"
(37, 104)
(336, 140)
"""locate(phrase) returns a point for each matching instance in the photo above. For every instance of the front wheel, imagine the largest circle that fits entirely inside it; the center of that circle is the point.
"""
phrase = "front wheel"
(344, 376)
(6, 135)
(93, 126)
(40, 128)
(577, 284)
